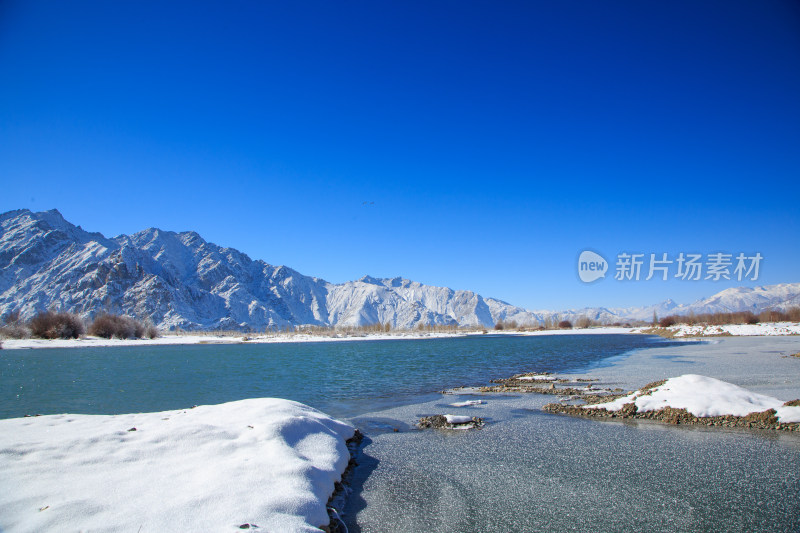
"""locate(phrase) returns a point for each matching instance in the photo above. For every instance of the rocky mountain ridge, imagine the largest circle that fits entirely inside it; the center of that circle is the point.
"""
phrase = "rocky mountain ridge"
(179, 280)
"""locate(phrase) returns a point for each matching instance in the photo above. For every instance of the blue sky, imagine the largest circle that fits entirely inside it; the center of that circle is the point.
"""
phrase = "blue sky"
(477, 145)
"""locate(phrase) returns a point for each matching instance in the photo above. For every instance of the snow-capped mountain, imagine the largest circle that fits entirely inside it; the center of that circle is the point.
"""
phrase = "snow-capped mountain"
(756, 299)
(178, 280)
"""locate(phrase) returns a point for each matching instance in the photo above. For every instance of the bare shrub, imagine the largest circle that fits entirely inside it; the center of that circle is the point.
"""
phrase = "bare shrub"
(748, 317)
(13, 327)
(565, 324)
(668, 321)
(150, 330)
(121, 327)
(52, 325)
(15, 331)
(499, 326)
(583, 322)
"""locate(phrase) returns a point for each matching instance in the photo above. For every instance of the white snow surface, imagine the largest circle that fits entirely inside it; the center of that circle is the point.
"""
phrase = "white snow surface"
(737, 330)
(467, 403)
(704, 396)
(267, 461)
(458, 419)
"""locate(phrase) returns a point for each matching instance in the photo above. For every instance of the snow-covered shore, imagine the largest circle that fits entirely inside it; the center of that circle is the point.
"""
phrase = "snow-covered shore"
(210, 338)
(734, 330)
(241, 338)
(265, 462)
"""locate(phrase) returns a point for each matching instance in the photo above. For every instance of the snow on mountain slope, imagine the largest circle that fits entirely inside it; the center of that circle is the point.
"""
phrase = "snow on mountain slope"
(756, 299)
(178, 280)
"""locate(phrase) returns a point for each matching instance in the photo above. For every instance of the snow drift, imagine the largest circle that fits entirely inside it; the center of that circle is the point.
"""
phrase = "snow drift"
(268, 462)
(702, 396)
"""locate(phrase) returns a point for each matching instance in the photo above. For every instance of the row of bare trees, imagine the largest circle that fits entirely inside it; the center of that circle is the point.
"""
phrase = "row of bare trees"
(742, 317)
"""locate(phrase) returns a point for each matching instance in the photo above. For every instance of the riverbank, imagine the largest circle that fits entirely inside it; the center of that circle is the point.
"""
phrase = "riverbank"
(173, 339)
(681, 331)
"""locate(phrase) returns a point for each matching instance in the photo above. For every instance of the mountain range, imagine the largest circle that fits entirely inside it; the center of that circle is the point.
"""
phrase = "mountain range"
(181, 281)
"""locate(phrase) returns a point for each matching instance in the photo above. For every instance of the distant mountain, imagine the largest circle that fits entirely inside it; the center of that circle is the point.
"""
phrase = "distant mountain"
(772, 297)
(178, 280)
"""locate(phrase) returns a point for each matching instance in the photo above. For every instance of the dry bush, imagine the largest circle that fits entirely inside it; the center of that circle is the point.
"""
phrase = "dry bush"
(13, 327)
(565, 324)
(150, 330)
(52, 325)
(584, 322)
(720, 319)
(668, 321)
(121, 327)
(499, 326)
(15, 331)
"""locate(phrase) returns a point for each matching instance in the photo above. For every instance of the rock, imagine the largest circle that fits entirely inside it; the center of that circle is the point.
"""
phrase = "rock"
(441, 422)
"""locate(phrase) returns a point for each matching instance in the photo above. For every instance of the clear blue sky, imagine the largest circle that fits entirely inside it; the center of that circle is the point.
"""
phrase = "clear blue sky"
(496, 139)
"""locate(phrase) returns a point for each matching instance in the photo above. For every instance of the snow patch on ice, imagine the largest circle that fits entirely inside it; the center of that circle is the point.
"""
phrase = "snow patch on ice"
(458, 419)
(467, 403)
(703, 396)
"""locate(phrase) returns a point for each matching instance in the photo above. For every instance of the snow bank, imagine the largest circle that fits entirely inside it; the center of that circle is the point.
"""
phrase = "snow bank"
(268, 462)
(737, 330)
(703, 396)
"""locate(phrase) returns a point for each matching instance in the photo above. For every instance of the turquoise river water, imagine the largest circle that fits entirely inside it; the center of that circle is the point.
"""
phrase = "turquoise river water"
(340, 378)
